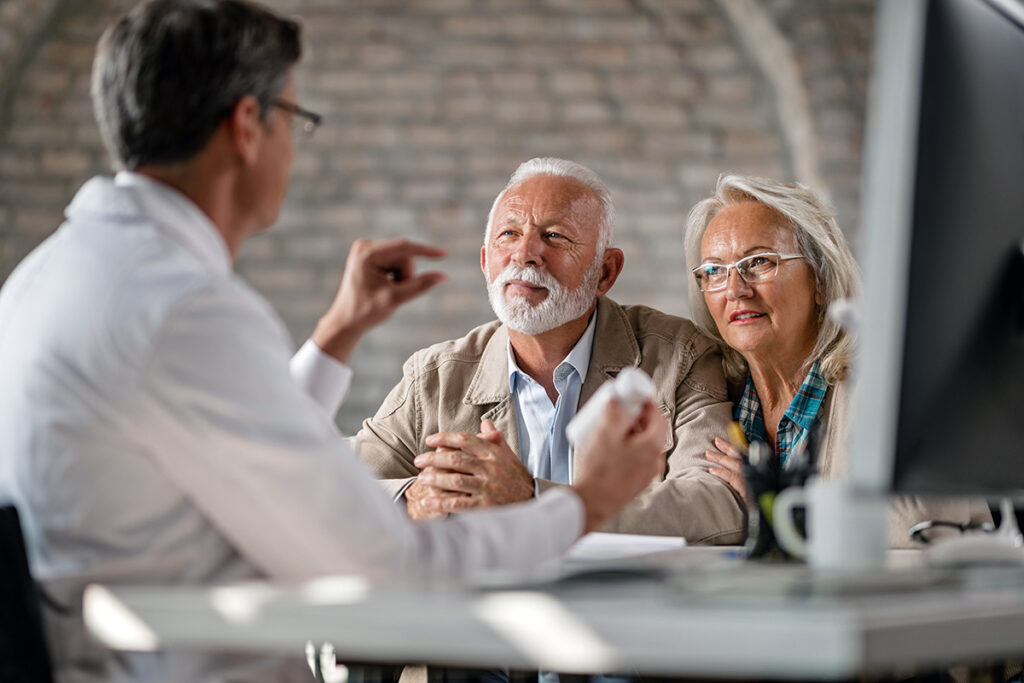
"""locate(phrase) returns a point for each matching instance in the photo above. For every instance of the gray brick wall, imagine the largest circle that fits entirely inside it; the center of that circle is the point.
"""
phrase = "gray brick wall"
(21, 23)
(429, 106)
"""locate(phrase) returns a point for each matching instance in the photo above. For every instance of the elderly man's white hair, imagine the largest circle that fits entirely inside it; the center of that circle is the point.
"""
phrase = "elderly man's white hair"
(562, 167)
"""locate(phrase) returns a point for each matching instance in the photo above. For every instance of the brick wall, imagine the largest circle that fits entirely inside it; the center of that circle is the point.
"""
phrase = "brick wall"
(430, 105)
(22, 25)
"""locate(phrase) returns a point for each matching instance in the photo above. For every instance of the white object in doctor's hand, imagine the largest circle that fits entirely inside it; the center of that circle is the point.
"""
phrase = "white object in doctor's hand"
(632, 387)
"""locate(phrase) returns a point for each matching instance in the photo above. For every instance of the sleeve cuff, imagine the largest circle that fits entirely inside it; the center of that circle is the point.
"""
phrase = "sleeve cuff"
(323, 377)
(573, 513)
(400, 496)
(542, 485)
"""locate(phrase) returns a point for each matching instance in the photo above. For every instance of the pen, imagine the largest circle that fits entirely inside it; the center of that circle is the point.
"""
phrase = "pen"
(736, 436)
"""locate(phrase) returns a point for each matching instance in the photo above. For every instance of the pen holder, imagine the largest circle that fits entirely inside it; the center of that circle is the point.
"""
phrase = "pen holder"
(761, 477)
(765, 481)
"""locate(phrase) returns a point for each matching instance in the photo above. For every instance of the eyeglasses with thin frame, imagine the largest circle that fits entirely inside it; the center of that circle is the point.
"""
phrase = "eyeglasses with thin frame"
(762, 267)
(927, 531)
(310, 120)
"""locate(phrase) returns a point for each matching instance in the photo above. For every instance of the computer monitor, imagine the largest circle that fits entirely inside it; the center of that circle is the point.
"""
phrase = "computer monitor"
(939, 404)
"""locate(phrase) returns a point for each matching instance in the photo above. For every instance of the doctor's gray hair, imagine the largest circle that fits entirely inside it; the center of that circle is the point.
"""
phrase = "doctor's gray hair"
(818, 239)
(169, 71)
(570, 169)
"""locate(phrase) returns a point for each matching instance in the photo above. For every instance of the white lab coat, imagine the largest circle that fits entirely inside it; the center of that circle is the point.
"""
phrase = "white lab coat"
(151, 432)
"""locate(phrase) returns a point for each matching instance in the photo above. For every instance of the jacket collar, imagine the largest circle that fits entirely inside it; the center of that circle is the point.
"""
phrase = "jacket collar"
(490, 381)
(615, 347)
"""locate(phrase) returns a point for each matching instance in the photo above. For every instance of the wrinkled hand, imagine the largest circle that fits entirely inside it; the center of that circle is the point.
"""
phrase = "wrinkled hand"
(729, 466)
(467, 471)
(619, 460)
(379, 277)
(426, 502)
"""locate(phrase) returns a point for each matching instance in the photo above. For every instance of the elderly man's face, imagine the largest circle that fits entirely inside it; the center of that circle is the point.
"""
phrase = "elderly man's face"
(541, 260)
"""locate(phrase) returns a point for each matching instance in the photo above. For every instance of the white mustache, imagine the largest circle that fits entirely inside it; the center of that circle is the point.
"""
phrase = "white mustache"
(529, 275)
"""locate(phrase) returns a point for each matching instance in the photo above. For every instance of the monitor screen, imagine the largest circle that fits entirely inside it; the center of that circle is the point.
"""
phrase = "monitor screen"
(943, 327)
(961, 407)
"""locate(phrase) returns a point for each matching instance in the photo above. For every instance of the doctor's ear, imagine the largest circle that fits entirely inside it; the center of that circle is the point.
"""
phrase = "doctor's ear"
(246, 128)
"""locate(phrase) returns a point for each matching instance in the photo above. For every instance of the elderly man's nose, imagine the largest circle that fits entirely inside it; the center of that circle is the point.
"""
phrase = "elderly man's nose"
(527, 250)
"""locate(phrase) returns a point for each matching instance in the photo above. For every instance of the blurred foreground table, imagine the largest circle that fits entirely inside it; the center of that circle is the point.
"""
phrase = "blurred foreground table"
(698, 612)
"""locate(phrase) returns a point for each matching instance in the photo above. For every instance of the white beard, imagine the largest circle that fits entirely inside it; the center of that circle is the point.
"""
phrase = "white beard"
(560, 306)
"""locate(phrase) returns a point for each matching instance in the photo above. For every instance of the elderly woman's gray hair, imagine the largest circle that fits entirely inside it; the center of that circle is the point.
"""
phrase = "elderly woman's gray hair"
(818, 238)
(569, 169)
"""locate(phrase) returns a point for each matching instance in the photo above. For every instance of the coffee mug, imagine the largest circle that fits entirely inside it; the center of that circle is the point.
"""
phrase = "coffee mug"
(846, 529)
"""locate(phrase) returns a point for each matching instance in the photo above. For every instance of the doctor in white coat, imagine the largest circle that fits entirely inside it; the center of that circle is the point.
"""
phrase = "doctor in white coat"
(151, 429)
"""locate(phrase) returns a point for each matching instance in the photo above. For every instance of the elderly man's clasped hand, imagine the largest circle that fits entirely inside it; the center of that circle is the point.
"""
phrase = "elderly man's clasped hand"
(467, 471)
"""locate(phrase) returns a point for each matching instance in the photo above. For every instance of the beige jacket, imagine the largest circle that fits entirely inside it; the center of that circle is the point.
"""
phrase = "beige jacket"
(905, 511)
(451, 386)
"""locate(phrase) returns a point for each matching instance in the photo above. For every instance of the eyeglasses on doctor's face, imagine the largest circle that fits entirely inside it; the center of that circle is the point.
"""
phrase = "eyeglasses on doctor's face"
(762, 267)
(309, 121)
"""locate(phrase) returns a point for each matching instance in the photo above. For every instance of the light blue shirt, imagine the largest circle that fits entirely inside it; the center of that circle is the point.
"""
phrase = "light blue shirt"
(543, 446)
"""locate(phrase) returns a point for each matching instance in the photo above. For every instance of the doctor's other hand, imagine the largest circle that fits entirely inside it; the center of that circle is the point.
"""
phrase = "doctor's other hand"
(619, 460)
(379, 277)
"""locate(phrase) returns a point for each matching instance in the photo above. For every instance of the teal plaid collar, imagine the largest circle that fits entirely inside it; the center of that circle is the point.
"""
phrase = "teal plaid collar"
(795, 426)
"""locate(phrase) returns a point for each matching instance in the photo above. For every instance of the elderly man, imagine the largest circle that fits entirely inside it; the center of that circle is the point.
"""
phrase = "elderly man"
(150, 429)
(480, 420)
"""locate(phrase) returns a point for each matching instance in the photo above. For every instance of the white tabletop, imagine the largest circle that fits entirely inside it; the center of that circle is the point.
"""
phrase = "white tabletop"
(705, 615)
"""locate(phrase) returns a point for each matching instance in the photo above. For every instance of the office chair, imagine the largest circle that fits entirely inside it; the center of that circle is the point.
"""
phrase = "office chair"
(23, 653)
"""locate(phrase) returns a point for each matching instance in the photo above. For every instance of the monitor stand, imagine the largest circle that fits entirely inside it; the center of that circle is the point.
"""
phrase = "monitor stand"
(1003, 547)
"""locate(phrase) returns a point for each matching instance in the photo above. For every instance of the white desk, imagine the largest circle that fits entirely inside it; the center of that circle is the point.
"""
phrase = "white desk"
(723, 618)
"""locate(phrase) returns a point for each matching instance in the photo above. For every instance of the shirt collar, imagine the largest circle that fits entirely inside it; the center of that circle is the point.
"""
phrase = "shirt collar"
(806, 405)
(578, 358)
(180, 216)
(802, 411)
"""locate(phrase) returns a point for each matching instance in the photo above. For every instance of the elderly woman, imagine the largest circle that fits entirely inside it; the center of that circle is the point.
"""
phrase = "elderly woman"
(768, 260)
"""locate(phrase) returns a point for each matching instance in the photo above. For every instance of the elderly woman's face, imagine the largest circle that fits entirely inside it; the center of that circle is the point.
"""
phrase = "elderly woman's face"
(775, 320)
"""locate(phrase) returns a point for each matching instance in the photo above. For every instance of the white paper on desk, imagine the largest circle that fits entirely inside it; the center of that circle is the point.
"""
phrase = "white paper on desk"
(604, 546)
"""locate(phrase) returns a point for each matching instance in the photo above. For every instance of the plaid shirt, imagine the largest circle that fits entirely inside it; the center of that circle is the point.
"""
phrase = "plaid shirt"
(795, 425)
